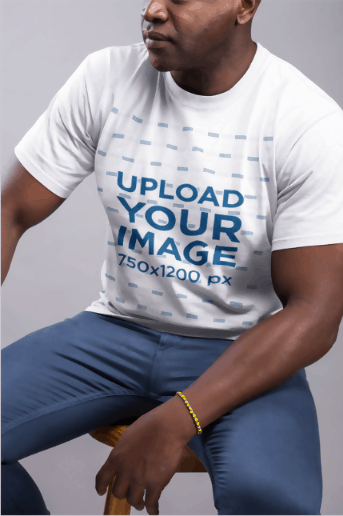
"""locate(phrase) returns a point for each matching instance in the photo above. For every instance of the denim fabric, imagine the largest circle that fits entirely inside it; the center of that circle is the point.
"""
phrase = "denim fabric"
(92, 370)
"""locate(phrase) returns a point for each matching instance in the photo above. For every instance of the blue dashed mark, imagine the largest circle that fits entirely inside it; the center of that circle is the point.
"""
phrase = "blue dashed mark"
(136, 119)
(114, 110)
(109, 277)
(157, 293)
(131, 160)
(191, 316)
(101, 153)
(132, 285)
(219, 320)
(166, 313)
(234, 303)
(117, 135)
(120, 300)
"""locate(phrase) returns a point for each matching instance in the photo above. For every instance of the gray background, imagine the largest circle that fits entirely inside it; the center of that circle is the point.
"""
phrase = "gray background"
(55, 272)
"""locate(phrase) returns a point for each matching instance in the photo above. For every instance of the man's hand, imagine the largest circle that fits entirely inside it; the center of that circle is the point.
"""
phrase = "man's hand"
(145, 458)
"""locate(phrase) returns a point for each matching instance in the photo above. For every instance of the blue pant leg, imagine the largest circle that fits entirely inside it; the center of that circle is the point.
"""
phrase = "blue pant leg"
(264, 456)
(61, 382)
(17, 483)
(19, 493)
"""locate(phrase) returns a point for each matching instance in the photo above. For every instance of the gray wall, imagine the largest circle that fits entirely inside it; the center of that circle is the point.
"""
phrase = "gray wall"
(42, 43)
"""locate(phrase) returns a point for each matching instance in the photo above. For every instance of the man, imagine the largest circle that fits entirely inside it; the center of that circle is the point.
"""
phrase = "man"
(219, 167)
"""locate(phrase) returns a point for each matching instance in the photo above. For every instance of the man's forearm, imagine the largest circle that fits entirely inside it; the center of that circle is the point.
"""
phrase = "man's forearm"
(259, 360)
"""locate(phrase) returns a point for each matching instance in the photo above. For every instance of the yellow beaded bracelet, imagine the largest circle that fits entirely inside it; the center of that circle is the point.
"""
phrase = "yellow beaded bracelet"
(199, 430)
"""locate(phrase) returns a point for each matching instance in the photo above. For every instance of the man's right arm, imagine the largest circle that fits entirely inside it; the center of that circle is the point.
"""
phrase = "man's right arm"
(25, 202)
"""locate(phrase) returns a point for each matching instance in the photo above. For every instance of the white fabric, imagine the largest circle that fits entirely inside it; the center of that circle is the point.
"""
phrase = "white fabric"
(261, 165)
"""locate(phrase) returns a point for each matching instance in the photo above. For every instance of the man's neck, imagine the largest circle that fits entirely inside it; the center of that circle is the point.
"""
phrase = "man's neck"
(219, 78)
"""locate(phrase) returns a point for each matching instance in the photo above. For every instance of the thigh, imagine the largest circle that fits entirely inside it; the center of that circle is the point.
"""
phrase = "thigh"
(264, 456)
(64, 380)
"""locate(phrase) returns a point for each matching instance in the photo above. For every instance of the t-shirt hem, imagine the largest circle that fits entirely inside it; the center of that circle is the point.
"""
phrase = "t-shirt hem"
(162, 327)
(41, 176)
(306, 241)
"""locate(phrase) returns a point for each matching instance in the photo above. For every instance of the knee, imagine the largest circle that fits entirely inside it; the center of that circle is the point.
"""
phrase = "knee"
(260, 496)
(5, 454)
(9, 448)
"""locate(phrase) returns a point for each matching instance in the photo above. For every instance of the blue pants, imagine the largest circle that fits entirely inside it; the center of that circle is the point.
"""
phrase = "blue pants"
(92, 370)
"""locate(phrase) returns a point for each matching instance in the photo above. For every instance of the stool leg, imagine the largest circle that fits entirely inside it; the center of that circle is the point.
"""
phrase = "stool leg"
(114, 505)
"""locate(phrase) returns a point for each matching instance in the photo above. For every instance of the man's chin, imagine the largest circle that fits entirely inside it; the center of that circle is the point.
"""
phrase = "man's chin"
(160, 63)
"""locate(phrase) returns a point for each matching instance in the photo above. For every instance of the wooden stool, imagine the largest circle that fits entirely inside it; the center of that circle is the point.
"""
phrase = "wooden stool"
(110, 435)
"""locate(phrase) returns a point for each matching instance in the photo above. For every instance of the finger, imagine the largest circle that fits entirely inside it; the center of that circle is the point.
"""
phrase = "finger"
(135, 495)
(121, 486)
(104, 477)
(152, 497)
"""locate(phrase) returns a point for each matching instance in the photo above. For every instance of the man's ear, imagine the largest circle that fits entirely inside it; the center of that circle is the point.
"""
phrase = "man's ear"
(247, 11)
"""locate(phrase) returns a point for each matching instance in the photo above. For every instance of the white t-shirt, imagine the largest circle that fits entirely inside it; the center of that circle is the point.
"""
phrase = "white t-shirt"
(198, 190)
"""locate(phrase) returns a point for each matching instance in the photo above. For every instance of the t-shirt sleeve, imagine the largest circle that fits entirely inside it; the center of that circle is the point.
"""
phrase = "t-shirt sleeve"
(59, 149)
(310, 190)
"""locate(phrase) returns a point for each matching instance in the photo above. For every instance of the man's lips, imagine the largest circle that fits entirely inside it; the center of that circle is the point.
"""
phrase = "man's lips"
(155, 43)
(156, 36)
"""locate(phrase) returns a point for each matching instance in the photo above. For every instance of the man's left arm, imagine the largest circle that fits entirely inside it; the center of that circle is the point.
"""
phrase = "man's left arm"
(309, 283)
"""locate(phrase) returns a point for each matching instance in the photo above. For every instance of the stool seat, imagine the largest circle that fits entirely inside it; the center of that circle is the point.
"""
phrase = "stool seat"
(110, 435)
